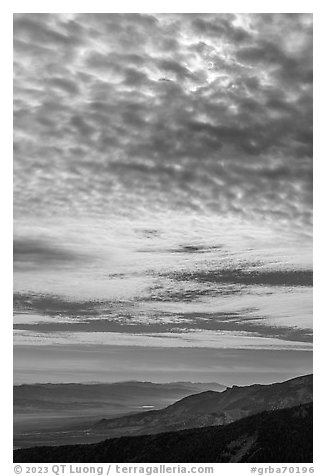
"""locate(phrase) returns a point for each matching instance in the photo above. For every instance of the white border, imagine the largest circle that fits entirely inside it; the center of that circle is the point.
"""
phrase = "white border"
(96, 6)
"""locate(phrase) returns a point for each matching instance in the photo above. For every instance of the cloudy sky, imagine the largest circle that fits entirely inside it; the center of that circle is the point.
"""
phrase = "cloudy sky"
(162, 197)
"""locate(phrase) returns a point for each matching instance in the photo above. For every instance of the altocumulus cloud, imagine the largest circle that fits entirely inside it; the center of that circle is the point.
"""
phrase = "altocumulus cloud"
(209, 113)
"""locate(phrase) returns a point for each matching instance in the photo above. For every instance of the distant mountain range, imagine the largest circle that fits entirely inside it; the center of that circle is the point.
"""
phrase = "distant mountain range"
(210, 408)
(55, 414)
(278, 436)
(110, 398)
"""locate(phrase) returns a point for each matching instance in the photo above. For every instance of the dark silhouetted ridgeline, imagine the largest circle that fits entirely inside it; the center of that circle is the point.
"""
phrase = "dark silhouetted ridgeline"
(279, 436)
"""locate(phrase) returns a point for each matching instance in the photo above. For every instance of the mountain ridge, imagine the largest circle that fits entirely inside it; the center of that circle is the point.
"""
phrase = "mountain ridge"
(211, 408)
(267, 437)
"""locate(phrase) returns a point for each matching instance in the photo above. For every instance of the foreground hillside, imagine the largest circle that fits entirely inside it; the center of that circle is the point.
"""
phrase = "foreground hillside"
(279, 436)
(210, 408)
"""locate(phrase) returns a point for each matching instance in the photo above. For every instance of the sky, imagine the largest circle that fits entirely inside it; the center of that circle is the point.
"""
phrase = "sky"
(162, 197)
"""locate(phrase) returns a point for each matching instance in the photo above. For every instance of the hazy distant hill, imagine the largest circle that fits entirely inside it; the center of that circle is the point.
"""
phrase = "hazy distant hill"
(211, 408)
(279, 436)
(112, 397)
(60, 413)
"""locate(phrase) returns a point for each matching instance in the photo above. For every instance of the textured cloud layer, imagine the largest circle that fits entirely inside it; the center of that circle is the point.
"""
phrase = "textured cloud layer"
(208, 340)
(128, 113)
(162, 195)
